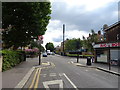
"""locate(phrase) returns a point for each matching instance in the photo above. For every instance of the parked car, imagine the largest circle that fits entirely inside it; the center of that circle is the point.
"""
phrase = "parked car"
(52, 53)
(44, 54)
(48, 52)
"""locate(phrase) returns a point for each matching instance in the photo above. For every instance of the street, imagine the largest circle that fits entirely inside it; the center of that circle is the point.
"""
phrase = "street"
(52, 44)
(62, 74)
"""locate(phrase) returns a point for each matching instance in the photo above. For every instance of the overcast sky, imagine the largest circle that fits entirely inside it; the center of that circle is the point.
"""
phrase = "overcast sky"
(79, 16)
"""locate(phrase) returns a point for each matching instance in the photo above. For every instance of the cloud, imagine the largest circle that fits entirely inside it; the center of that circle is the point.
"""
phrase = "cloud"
(58, 39)
(84, 19)
(76, 34)
(54, 32)
(79, 17)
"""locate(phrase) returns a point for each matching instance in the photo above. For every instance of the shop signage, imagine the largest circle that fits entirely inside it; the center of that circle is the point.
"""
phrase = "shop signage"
(107, 45)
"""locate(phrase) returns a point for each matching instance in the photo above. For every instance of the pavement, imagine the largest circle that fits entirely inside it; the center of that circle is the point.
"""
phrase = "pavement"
(0, 64)
(11, 78)
(101, 66)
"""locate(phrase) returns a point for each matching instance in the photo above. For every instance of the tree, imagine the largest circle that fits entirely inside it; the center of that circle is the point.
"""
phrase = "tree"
(50, 46)
(24, 21)
(34, 44)
(105, 26)
(87, 43)
(73, 44)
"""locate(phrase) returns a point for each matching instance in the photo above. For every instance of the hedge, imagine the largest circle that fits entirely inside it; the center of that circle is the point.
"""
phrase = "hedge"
(75, 55)
(11, 58)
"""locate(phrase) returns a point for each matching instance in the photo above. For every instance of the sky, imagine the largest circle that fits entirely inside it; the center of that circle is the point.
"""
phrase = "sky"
(79, 17)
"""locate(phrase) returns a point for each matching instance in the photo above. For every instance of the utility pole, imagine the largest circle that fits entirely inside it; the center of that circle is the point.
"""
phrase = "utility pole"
(63, 38)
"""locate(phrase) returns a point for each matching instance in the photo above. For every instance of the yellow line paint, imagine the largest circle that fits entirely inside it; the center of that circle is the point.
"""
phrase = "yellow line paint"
(33, 79)
(37, 80)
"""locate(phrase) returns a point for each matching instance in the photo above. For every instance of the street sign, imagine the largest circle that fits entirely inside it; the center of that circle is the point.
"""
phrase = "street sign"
(40, 37)
(40, 41)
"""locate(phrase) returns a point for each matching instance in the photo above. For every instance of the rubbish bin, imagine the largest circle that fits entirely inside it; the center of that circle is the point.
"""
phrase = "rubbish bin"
(88, 61)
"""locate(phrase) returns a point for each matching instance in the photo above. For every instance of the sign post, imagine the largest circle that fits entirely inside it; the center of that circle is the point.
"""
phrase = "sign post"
(40, 41)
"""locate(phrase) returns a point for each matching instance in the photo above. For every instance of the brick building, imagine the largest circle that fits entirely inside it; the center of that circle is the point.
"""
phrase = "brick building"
(109, 50)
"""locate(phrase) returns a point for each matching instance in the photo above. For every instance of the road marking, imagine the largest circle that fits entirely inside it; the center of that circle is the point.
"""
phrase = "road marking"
(43, 74)
(52, 74)
(60, 74)
(70, 81)
(37, 80)
(47, 83)
(52, 64)
(34, 79)
(25, 79)
(46, 63)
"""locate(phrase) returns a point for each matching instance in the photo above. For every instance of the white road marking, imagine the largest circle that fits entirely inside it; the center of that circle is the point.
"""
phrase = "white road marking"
(70, 81)
(44, 75)
(52, 74)
(25, 79)
(46, 83)
(60, 74)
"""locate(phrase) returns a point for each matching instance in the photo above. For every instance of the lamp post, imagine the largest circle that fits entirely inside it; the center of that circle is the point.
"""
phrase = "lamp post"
(63, 38)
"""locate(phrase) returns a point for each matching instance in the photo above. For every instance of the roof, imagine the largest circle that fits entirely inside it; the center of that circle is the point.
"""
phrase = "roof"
(115, 24)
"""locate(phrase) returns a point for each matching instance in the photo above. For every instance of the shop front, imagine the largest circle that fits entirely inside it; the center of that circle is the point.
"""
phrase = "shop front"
(107, 52)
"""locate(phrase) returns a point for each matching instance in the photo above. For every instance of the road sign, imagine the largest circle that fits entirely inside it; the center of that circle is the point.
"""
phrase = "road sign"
(40, 37)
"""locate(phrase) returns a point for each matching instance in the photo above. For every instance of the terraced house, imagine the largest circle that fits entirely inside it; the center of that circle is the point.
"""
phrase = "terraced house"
(108, 51)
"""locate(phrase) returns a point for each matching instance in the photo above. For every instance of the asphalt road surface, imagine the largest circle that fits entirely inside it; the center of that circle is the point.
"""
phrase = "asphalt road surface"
(62, 74)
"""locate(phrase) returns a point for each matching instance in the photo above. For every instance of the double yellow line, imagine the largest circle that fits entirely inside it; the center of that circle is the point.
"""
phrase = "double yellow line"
(35, 80)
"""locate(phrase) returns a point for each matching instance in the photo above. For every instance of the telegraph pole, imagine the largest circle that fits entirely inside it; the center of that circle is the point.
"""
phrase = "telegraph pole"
(63, 37)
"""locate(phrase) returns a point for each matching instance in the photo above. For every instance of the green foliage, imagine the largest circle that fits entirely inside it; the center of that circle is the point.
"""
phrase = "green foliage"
(73, 44)
(11, 58)
(105, 26)
(75, 55)
(87, 43)
(39, 46)
(50, 46)
(23, 21)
